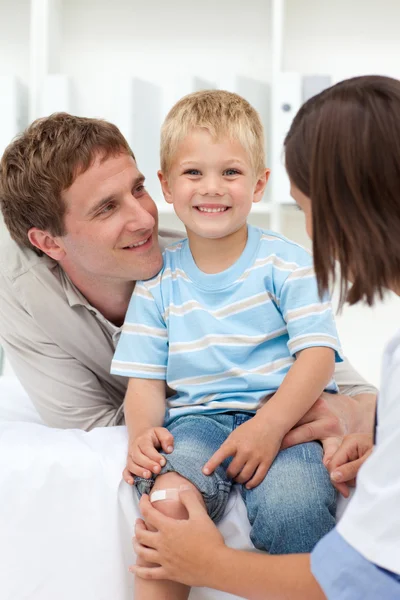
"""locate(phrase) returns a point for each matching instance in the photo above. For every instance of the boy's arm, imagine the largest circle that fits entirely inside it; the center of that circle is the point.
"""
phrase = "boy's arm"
(144, 405)
(255, 444)
(302, 386)
(144, 415)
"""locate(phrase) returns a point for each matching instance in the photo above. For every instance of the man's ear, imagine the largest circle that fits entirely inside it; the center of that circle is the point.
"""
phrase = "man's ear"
(165, 187)
(260, 186)
(47, 243)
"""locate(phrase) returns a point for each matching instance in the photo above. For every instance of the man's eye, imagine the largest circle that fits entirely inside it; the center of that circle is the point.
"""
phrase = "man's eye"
(231, 172)
(107, 208)
(192, 172)
(139, 189)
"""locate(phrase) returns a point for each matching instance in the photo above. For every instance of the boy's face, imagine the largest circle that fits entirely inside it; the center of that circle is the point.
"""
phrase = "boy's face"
(212, 185)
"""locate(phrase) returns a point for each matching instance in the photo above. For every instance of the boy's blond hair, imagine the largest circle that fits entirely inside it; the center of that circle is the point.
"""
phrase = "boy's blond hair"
(223, 114)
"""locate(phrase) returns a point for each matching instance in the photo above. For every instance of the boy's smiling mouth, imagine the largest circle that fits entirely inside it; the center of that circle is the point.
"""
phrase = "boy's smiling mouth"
(212, 208)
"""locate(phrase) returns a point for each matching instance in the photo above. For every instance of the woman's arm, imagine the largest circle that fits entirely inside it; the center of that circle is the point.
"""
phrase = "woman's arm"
(193, 552)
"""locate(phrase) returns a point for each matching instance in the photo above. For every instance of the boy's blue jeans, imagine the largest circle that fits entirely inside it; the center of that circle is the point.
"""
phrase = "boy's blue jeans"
(290, 511)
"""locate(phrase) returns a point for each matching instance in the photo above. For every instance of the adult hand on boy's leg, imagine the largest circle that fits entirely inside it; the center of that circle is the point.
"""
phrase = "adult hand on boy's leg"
(346, 462)
(184, 549)
(253, 446)
(331, 418)
(143, 456)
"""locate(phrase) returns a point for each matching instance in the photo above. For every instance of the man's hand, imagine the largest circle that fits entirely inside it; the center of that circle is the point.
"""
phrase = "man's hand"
(143, 458)
(346, 462)
(331, 418)
(253, 445)
(184, 549)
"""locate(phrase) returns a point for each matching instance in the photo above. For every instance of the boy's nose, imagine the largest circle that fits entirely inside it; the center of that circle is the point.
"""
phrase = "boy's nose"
(212, 186)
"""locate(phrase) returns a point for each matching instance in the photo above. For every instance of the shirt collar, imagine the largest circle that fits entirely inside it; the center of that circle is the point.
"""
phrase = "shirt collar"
(76, 298)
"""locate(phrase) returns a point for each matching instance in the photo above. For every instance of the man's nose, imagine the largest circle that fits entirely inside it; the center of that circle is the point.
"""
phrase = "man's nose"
(138, 217)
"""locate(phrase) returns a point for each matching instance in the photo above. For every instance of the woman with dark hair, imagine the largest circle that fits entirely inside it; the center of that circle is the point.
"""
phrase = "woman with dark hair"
(343, 161)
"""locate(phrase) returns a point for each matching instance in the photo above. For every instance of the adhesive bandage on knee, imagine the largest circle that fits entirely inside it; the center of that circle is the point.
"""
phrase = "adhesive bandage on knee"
(169, 494)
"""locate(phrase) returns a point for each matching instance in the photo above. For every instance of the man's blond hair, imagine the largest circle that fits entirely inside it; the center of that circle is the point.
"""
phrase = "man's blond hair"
(223, 114)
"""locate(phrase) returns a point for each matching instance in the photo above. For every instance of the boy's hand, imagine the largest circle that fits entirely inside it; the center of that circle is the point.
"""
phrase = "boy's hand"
(253, 446)
(143, 458)
(347, 460)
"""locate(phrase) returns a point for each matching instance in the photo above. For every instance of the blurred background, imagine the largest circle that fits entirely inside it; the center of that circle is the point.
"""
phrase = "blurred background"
(128, 61)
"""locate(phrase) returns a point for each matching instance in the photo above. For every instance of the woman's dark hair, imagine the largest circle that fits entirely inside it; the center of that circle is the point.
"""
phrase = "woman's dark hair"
(343, 152)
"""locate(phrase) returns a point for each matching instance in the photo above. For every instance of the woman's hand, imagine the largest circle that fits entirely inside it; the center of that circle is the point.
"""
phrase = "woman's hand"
(346, 462)
(186, 550)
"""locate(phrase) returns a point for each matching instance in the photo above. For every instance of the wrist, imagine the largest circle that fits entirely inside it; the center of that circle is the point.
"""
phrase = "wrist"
(364, 413)
(273, 420)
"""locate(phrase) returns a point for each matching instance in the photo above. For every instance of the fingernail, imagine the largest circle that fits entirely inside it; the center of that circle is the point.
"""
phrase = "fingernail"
(206, 471)
(336, 476)
(170, 449)
(162, 461)
(156, 468)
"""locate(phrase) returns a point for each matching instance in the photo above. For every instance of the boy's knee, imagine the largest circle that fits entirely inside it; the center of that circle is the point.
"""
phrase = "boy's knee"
(165, 495)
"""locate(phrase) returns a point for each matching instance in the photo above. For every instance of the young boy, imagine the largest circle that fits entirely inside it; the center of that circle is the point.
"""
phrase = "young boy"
(234, 325)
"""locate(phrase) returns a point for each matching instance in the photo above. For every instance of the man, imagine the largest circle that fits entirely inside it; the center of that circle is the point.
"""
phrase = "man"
(83, 230)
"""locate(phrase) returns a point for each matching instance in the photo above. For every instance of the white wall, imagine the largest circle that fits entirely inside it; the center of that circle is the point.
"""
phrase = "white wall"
(14, 38)
(342, 37)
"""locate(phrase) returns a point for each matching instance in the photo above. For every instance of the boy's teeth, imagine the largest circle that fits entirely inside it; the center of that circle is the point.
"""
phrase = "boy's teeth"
(210, 210)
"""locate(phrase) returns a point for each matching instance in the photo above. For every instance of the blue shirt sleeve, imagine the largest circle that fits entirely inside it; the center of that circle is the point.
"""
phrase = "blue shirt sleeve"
(309, 319)
(344, 574)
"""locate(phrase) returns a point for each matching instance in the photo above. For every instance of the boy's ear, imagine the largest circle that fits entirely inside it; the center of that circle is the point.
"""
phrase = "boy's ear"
(165, 187)
(47, 243)
(260, 186)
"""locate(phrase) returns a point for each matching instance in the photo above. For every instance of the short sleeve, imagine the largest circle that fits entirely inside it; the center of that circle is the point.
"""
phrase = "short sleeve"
(142, 349)
(309, 319)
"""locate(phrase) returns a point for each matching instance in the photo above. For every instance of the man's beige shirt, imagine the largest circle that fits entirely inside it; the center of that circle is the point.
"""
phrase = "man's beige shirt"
(61, 347)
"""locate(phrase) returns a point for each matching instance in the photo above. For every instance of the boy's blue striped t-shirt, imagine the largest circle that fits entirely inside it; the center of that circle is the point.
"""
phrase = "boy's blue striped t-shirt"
(224, 341)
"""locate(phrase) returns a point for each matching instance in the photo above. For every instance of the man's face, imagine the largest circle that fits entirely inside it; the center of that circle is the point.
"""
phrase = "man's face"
(111, 223)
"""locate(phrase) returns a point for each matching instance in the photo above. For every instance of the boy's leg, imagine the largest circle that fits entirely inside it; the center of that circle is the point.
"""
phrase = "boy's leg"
(196, 438)
(295, 505)
(172, 507)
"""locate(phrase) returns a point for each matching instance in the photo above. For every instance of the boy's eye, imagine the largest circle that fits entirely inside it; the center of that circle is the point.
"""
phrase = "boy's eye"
(231, 172)
(192, 172)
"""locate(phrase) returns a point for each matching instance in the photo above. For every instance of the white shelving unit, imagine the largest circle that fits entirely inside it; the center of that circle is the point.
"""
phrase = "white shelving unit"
(129, 60)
